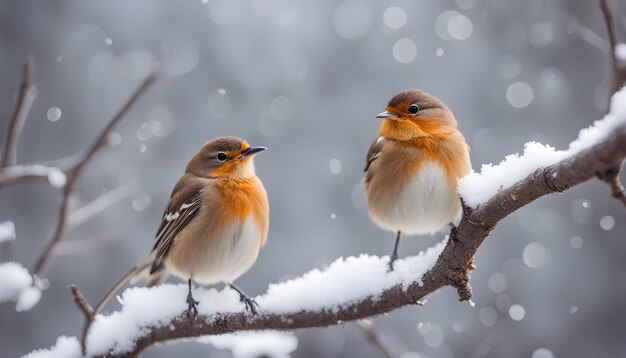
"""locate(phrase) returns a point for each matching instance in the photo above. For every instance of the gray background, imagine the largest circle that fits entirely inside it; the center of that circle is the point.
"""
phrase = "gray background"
(262, 49)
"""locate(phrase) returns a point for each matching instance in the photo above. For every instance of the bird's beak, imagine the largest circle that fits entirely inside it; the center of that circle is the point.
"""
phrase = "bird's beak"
(251, 151)
(386, 114)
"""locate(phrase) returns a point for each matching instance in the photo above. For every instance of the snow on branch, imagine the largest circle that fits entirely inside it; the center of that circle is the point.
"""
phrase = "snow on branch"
(477, 188)
(360, 287)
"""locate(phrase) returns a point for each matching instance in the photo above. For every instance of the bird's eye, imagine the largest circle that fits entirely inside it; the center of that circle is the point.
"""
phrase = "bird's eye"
(222, 157)
(414, 108)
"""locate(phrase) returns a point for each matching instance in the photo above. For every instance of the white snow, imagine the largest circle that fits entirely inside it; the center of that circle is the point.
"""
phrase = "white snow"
(345, 281)
(65, 347)
(153, 307)
(478, 188)
(7, 231)
(16, 284)
(28, 298)
(255, 344)
(620, 51)
(13, 280)
(56, 177)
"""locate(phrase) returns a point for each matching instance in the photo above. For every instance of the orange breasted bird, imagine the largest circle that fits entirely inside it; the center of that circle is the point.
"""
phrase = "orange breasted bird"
(214, 224)
(413, 166)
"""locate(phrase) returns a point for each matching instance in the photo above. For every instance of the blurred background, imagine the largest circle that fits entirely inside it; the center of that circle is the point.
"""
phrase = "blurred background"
(306, 79)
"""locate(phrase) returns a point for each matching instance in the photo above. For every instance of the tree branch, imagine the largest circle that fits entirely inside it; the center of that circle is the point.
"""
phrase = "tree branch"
(25, 98)
(451, 269)
(74, 172)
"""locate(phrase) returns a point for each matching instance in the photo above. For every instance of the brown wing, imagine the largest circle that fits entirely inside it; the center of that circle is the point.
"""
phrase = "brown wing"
(184, 204)
(372, 154)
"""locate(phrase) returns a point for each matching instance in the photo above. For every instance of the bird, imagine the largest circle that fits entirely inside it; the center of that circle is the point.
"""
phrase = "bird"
(214, 224)
(413, 166)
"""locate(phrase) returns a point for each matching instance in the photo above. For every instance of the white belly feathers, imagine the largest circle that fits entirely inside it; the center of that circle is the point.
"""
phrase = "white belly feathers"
(222, 259)
(425, 206)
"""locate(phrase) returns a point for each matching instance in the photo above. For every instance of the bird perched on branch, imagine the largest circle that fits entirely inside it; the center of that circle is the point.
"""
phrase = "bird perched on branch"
(413, 166)
(214, 225)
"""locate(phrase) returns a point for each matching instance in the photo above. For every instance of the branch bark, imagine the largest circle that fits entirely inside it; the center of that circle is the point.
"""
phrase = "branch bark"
(452, 268)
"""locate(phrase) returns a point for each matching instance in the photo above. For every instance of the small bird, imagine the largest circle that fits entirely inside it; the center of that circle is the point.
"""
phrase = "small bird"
(412, 168)
(214, 224)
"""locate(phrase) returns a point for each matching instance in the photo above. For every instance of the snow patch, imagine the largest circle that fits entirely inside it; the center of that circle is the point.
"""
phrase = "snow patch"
(254, 344)
(345, 281)
(478, 188)
(65, 347)
(13, 280)
(620, 51)
(7, 231)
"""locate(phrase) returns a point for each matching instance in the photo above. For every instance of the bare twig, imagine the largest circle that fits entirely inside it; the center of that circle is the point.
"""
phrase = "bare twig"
(24, 101)
(588, 35)
(611, 31)
(451, 269)
(88, 312)
(74, 173)
(99, 204)
(618, 68)
(81, 302)
(74, 247)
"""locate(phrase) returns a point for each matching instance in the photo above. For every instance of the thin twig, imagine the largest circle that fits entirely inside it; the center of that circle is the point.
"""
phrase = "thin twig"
(74, 247)
(588, 35)
(612, 33)
(618, 76)
(99, 204)
(24, 101)
(74, 173)
(81, 302)
(88, 312)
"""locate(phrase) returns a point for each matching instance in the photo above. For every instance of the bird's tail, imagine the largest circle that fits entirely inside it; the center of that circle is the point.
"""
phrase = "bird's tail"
(139, 272)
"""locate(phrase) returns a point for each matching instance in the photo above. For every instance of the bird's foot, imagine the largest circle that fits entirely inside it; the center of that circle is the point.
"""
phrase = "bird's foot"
(192, 305)
(250, 303)
(392, 260)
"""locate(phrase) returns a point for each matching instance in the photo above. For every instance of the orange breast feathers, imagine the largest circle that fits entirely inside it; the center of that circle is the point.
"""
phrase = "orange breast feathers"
(434, 141)
(239, 199)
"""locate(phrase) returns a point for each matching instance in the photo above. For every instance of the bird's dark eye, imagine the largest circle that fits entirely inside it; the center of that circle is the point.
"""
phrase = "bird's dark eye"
(414, 108)
(222, 157)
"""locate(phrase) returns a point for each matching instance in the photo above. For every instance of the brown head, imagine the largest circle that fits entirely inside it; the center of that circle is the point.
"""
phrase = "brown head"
(224, 157)
(414, 113)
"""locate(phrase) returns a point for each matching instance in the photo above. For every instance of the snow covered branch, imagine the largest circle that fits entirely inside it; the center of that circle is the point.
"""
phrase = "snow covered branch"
(359, 287)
